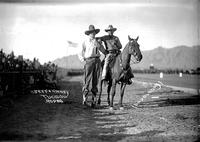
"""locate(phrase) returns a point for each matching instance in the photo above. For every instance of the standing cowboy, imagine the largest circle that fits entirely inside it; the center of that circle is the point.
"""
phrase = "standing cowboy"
(91, 55)
(113, 46)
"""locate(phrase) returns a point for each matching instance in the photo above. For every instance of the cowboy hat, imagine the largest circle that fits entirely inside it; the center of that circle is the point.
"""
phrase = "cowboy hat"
(92, 30)
(110, 28)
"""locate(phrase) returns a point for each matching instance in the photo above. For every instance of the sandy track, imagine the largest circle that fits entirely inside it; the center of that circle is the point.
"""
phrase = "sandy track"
(175, 118)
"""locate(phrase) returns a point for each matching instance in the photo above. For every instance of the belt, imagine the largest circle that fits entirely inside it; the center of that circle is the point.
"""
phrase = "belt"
(96, 57)
(114, 51)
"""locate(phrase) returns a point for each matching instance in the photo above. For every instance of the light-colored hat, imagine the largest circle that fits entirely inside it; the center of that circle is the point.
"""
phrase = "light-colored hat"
(91, 30)
(110, 28)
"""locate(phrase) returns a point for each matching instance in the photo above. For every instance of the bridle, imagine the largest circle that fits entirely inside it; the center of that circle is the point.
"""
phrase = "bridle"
(134, 61)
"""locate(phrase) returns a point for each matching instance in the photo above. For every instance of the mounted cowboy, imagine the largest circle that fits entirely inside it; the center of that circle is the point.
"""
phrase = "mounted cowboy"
(120, 71)
(113, 46)
(91, 55)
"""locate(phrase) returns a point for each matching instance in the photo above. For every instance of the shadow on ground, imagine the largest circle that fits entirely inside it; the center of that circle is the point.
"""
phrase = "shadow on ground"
(31, 118)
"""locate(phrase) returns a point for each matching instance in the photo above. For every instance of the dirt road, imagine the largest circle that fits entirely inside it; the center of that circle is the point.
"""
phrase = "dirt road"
(165, 115)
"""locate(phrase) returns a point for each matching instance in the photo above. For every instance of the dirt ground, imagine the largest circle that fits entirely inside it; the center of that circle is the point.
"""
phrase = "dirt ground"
(165, 115)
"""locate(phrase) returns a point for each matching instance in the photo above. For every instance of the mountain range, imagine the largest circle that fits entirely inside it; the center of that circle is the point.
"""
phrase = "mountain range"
(180, 57)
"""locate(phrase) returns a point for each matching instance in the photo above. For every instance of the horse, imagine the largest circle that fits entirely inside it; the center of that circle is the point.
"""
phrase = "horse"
(119, 70)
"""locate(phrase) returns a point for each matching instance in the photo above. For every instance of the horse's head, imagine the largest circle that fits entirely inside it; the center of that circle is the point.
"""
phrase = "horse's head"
(134, 48)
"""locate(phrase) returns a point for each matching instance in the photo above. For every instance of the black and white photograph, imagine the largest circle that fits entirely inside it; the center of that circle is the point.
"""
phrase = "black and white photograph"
(100, 70)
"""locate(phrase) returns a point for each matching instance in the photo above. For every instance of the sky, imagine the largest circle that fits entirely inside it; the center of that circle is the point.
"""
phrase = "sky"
(42, 28)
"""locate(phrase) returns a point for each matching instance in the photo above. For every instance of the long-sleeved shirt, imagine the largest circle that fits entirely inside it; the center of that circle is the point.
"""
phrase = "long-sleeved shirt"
(91, 48)
(111, 42)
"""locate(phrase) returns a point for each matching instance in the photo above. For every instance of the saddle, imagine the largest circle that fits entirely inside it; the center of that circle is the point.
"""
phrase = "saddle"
(114, 56)
(126, 74)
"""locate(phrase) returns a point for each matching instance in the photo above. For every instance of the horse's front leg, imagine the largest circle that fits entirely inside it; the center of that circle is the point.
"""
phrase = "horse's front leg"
(108, 91)
(122, 88)
(113, 90)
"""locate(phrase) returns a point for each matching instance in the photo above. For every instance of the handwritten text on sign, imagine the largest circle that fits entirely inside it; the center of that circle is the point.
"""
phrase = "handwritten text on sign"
(52, 96)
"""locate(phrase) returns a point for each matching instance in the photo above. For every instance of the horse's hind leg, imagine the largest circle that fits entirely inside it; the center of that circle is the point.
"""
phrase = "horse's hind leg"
(100, 92)
(122, 88)
(108, 91)
(93, 100)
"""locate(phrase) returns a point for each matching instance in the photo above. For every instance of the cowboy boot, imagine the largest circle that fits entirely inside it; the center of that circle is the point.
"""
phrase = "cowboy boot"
(85, 96)
(94, 100)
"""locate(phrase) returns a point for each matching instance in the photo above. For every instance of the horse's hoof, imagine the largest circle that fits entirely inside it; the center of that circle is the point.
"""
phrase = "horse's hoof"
(99, 102)
(84, 103)
(92, 105)
(108, 102)
(121, 108)
(111, 108)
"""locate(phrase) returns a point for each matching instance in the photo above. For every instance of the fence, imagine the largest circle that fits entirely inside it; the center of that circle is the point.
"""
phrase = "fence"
(18, 82)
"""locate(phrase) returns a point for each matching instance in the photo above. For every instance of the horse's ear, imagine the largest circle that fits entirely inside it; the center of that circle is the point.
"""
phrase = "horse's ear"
(137, 38)
(129, 38)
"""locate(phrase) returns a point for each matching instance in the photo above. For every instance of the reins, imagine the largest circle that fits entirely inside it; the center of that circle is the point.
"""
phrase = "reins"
(123, 69)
